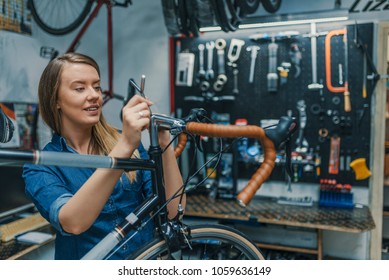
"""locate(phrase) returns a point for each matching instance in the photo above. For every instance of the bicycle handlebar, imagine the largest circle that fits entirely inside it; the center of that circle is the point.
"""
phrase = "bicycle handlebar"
(270, 140)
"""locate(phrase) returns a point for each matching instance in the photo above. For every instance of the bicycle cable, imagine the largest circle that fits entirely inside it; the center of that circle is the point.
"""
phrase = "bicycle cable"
(183, 187)
(175, 195)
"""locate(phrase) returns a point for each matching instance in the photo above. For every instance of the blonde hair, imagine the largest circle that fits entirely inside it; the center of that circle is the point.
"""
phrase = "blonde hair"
(104, 136)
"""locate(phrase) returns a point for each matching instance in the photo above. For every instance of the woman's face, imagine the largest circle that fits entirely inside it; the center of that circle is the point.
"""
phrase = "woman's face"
(79, 96)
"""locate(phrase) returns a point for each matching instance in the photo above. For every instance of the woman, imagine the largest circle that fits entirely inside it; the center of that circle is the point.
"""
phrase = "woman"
(83, 205)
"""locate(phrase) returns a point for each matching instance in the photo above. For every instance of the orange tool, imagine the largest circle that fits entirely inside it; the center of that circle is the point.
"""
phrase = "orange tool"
(333, 166)
(344, 89)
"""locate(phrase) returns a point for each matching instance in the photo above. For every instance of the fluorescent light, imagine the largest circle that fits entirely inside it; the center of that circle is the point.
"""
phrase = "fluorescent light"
(210, 28)
(290, 22)
(277, 23)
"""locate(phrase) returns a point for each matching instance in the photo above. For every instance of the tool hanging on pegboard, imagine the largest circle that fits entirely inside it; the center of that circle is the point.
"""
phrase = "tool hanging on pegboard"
(314, 85)
(330, 87)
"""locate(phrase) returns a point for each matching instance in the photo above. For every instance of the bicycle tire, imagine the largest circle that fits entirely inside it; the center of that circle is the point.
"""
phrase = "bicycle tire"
(271, 6)
(58, 17)
(208, 242)
(248, 6)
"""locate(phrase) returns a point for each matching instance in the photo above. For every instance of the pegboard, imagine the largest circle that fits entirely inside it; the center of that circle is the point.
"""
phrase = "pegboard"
(326, 117)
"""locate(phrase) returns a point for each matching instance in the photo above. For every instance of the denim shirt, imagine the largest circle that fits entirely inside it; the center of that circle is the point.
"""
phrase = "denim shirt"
(50, 187)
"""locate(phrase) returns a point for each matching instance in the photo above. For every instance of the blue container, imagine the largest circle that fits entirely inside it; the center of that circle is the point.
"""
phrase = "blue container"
(336, 199)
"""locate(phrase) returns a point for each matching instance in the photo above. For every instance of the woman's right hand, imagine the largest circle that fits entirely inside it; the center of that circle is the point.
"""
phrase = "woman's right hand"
(136, 118)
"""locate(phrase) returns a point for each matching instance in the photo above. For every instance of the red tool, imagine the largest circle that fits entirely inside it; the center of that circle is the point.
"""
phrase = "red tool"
(333, 166)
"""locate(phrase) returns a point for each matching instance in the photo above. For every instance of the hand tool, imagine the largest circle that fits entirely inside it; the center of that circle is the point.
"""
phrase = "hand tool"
(284, 72)
(140, 89)
(142, 85)
(235, 90)
(272, 76)
(314, 85)
(374, 76)
(209, 73)
(185, 68)
(254, 52)
(364, 76)
(201, 73)
(295, 57)
(333, 166)
(360, 168)
(234, 51)
(221, 78)
(301, 142)
(331, 88)
(360, 114)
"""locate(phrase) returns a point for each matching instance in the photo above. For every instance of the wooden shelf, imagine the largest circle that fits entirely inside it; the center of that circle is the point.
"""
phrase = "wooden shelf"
(288, 248)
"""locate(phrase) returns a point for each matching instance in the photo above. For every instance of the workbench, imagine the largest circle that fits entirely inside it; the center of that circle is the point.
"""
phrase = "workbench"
(266, 210)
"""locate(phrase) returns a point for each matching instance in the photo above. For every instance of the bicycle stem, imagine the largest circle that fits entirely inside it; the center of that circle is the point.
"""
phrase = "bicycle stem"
(158, 121)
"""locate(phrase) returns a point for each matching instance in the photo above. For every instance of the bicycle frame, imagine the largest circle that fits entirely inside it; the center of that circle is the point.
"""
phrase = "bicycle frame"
(156, 204)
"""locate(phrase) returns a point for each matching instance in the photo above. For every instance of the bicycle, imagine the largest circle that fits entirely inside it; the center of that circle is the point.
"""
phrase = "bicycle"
(63, 17)
(173, 239)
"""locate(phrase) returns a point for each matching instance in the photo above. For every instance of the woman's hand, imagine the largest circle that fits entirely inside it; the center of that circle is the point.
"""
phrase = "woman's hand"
(136, 118)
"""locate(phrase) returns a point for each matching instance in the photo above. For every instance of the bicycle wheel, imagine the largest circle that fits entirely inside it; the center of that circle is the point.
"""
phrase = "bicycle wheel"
(208, 242)
(59, 17)
(271, 6)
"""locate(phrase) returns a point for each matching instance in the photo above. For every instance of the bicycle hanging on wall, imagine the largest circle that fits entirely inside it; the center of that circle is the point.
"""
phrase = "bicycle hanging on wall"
(63, 17)
(174, 239)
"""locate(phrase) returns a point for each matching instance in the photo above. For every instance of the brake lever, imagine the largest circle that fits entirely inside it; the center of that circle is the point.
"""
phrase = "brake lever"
(196, 114)
(283, 131)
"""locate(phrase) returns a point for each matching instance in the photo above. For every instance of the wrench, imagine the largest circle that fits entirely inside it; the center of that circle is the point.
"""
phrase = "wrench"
(220, 46)
(254, 51)
(221, 78)
(201, 73)
(209, 74)
(234, 51)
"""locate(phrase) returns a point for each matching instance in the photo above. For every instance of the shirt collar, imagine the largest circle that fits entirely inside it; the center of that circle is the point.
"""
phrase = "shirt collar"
(60, 142)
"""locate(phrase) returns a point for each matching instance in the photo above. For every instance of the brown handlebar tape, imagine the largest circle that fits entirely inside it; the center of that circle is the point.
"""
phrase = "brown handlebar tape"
(233, 131)
(182, 139)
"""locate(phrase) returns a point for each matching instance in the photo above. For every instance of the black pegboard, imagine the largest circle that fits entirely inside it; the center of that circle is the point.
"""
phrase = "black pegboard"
(255, 103)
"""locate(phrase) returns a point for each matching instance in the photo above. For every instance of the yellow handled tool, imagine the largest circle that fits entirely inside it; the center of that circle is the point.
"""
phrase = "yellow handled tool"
(360, 168)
